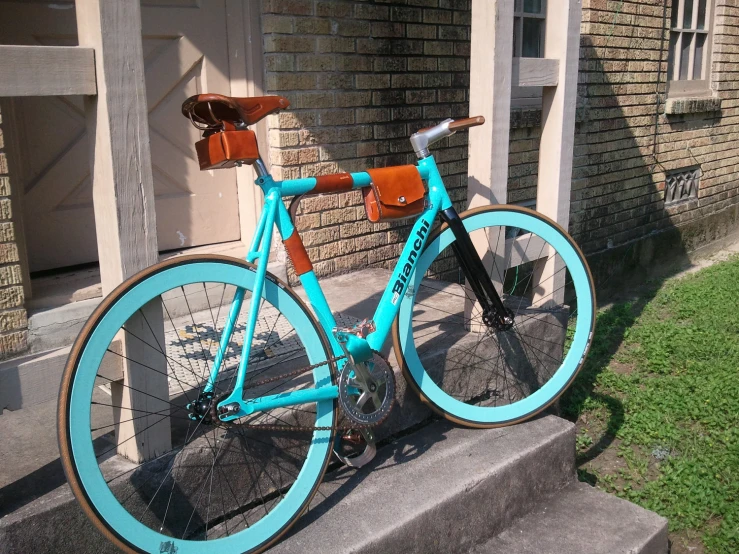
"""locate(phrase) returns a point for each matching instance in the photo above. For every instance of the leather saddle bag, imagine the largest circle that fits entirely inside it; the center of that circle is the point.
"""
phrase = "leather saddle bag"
(395, 193)
(224, 149)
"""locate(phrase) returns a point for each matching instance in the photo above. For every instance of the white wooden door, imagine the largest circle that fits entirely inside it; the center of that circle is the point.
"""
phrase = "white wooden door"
(186, 52)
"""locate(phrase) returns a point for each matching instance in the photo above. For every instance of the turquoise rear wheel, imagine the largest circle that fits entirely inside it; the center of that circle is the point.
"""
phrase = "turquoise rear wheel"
(473, 373)
(150, 466)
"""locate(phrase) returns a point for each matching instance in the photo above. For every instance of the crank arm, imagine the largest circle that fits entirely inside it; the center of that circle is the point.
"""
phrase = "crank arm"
(366, 456)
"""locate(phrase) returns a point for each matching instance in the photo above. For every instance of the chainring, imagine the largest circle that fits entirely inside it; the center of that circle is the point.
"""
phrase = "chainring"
(367, 401)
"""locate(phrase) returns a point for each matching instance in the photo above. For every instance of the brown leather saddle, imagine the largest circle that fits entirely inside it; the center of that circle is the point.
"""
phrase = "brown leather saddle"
(223, 119)
(211, 111)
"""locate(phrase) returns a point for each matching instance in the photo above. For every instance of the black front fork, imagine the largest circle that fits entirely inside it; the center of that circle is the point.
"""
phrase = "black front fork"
(494, 313)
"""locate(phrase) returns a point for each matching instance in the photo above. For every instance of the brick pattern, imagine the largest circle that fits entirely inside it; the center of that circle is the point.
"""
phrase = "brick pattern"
(13, 318)
(362, 76)
(625, 142)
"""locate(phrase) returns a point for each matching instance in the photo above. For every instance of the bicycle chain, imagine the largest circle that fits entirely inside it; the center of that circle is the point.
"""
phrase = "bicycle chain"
(295, 373)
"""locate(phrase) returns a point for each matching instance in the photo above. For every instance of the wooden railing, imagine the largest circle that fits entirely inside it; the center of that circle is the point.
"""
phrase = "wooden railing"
(47, 70)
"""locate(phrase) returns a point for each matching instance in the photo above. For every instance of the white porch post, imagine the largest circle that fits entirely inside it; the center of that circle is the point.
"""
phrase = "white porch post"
(557, 136)
(245, 66)
(123, 199)
(491, 59)
(122, 182)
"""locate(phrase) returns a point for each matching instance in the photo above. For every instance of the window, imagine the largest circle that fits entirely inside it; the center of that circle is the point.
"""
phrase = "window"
(528, 28)
(528, 42)
(690, 47)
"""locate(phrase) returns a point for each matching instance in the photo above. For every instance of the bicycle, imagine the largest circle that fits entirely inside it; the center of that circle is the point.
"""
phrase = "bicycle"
(491, 313)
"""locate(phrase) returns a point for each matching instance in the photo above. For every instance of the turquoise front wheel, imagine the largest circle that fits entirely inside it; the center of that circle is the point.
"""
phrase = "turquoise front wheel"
(470, 371)
(140, 441)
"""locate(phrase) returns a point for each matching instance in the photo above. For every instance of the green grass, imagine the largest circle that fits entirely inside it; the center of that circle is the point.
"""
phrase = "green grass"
(657, 404)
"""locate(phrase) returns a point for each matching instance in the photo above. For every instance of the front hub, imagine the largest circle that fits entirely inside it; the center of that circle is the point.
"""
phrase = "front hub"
(495, 320)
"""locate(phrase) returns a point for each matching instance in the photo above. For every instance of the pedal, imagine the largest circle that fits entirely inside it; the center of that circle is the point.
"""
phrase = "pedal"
(355, 439)
(362, 330)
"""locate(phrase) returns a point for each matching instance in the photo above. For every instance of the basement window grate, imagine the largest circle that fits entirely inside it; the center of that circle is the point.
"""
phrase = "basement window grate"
(681, 184)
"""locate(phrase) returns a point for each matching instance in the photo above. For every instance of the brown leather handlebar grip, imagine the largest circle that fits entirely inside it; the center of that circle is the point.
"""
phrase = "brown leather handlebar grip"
(466, 123)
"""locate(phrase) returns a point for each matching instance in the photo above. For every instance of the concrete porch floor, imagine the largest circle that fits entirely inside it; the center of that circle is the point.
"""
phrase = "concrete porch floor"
(76, 285)
(62, 302)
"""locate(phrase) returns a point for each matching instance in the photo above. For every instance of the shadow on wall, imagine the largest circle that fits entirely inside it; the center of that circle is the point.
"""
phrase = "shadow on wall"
(625, 146)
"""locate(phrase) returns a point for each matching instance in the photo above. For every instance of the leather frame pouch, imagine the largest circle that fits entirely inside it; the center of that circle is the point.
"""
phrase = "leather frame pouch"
(395, 193)
(223, 149)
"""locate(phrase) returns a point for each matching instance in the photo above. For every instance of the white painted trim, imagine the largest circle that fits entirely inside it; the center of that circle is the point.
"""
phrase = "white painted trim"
(246, 71)
(123, 200)
(534, 72)
(491, 61)
(558, 134)
(490, 96)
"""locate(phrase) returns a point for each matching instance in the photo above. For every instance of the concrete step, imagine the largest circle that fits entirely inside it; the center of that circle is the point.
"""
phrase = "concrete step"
(430, 491)
(442, 489)
(52, 523)
(582, 520)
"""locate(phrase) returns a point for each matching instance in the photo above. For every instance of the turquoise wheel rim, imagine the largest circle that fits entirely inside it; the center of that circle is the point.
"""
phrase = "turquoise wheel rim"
(583, 329)
(91, 479)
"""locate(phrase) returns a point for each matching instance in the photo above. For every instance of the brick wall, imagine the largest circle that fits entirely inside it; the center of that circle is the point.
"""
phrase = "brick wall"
(625, 142)
(13, 319)
(362, 77)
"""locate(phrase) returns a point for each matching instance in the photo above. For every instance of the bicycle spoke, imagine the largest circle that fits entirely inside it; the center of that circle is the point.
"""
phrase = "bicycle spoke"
(139, 391)
(213, 479)
(146, 414)
(474, 362)
(149, 368)
(197, 332)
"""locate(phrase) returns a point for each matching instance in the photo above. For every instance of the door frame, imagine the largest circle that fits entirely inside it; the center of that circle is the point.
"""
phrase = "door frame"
(246, 66)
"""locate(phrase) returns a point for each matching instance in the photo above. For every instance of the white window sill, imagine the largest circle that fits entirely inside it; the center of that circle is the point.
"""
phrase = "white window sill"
(692, 104)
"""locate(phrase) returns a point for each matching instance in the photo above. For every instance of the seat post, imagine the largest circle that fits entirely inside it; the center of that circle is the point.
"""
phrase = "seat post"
(260, 167)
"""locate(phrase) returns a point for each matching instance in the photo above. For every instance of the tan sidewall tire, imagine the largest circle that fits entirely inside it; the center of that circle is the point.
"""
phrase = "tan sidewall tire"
(396, 330)
(71, 368)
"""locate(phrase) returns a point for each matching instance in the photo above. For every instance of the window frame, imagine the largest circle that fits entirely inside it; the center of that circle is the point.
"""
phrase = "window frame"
(676, 87)
(518, 20)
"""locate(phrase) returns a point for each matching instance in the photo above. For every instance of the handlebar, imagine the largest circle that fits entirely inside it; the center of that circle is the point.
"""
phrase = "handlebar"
(466, 123)
(426, 137)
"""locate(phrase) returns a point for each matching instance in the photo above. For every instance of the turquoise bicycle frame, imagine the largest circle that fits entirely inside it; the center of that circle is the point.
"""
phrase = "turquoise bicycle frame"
(358, 349)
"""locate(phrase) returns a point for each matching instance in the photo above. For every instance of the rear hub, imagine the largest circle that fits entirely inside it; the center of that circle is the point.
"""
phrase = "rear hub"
(203, 409)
